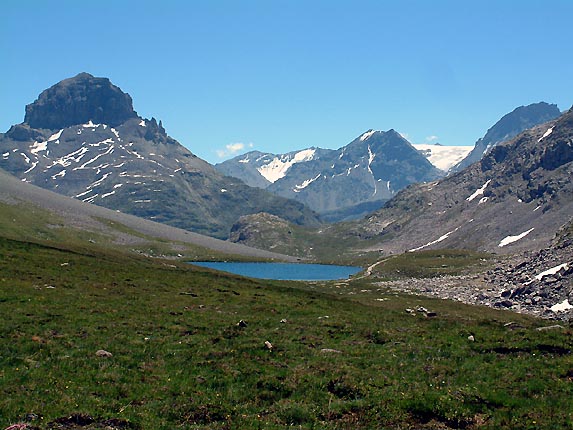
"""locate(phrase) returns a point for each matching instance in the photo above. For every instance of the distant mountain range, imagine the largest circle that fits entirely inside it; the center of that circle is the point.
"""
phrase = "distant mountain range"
(343, 183)
(360, 177)
(516, 198)
(82, 138)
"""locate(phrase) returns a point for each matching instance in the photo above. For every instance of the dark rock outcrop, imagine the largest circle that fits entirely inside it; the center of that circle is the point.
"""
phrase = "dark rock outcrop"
(78, 100)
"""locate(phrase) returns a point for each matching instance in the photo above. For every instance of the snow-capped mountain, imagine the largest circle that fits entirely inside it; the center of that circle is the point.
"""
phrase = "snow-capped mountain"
(82, 138)
(509, 126)
(338, 184)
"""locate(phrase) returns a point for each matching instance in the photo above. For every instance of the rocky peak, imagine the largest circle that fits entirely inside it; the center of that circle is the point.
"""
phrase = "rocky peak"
(509, 126)
(78, 100)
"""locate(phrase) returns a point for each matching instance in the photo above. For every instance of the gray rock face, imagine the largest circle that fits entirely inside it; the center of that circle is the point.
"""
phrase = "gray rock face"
(78, 100)
(509, 126)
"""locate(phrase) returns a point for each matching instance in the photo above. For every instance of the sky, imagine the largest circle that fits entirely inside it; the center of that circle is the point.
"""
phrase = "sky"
(231, 76)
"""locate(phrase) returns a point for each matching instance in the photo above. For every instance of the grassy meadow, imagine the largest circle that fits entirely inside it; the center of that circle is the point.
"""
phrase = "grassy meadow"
(179, 358)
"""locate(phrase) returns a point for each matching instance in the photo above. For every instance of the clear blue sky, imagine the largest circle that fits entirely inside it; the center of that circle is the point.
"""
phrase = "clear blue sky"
(282, 75)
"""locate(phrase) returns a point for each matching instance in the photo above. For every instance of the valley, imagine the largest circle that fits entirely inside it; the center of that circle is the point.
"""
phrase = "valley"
(459, 318)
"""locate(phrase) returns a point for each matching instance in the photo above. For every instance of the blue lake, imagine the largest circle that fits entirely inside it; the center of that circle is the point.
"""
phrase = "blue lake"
(284, 271)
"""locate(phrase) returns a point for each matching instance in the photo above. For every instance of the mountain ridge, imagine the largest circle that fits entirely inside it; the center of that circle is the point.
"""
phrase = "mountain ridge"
(369, 169)
(509, 126)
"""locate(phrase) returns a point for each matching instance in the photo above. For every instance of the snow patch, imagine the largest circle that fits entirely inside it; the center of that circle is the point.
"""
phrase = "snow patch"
(440, 239)
(305, 184)
(547, 133)
(38, 146)
(223, 190)
(90, 124)
(367, 135)
(34, 164)
(6, 155)
(483, 200)
(552, 271)
(142, 123)
(479, 191)
(510, 239)
(56, 136)
(278, 167)
(107, 194)
(561, 307)
(59, 175)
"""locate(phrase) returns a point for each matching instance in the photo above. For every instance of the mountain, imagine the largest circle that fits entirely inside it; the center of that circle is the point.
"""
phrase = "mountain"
(515, 198)
(82, 138)
(509, 126)
(338, 184)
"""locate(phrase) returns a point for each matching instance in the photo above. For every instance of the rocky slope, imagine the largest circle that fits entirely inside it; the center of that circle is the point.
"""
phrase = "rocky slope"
(82, 138)
(509, 126)
(343, 183)
(516, 198)
(539, 282)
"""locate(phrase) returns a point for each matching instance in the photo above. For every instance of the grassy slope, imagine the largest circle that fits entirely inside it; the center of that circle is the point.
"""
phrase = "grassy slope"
(180, 360)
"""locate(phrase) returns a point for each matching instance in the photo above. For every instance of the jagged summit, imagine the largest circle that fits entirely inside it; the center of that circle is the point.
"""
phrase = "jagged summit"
(78, 100)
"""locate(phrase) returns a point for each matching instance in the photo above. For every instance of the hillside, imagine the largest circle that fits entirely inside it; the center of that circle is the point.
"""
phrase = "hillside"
(82, 138)
(35, 214)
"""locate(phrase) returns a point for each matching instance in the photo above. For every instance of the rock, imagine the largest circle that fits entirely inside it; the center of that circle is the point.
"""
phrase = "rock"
(78, 100)
(103, 353)
(330, 351)
(284, 321)
(471, 338)
(242, 324)
(18, 426)
(551, 327)
(268, 345)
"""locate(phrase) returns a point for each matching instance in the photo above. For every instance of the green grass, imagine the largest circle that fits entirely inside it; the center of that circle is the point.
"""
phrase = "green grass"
(432, 263)
(180, 360)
